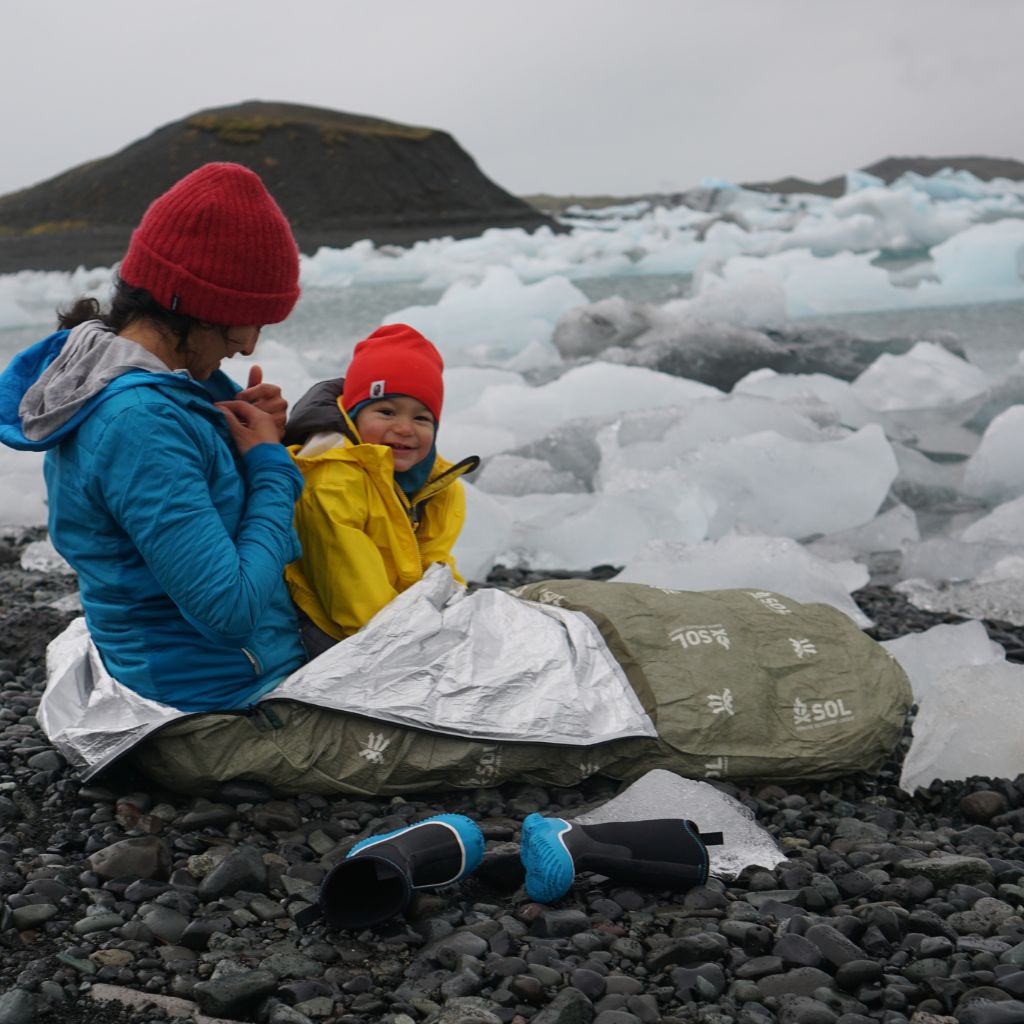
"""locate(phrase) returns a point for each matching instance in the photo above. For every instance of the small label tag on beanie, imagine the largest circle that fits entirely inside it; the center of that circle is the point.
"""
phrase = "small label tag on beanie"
(377, 389)
(175, 299)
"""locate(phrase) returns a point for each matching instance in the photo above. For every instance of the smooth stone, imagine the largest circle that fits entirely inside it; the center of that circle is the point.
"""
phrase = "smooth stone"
(209, 815)
(616, 1017)
(234, 993)
(275, 816)
(804, 1010)
(797, 951)
(1013, 984)
(855, 973)
(32, 915)
(694, 949)
(624, 985)
(590, 983)
(1010, 1011)
(97, 923)
(696, 983)
(142, 857)
(802, 981)
(527, 989)
(17, 1007)
(111, 957)
(759, 967)
(547, 976)
(947, 870)
(570, 1006)
(860, 831)
(835, 947)
(166, 924)
(560, 923)
(198, 932)
(242, 869)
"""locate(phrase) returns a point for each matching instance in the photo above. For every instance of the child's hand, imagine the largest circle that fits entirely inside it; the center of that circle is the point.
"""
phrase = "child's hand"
(267, 397)
(249, 425)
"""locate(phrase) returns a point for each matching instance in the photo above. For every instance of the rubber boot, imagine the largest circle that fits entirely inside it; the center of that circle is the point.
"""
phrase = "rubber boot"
(376, 880)
(666, 853)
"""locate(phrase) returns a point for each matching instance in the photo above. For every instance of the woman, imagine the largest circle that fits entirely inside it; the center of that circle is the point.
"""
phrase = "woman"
(169, 492)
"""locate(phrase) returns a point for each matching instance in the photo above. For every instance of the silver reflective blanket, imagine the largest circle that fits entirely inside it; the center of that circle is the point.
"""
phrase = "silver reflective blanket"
(482, 666)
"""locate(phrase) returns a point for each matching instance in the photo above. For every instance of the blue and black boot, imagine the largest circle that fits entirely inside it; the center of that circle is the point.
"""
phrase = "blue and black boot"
(666, 853)
(376, 880)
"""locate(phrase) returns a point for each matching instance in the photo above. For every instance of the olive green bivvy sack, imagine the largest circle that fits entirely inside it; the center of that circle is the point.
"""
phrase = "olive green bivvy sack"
(739, 684)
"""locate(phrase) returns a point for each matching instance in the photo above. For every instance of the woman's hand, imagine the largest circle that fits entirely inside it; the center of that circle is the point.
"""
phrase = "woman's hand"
(249, 425)
(267, 397)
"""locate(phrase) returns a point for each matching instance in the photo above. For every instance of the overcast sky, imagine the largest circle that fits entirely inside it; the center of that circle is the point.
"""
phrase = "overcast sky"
(563, 96)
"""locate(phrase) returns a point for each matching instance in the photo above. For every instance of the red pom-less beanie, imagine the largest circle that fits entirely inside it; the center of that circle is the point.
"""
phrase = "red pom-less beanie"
(216, 247)
(395, 360)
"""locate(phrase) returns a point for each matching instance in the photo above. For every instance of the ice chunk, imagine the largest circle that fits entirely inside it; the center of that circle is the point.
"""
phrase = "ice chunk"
(891, 530)
(30, 296)
(970, 724)
(793, 388)
(997, 594)
(589, 330)
(925, 656)
(922, 482)
(517, 475)
(939, 559)
(663, 794)
(766, 563)
(528, 414)
(763, 482)
(484, 535)
(579, 531)
(42, 556)
(926, 376)
(1004, 525)
(995, 472)
(24, 494)
(497, 320)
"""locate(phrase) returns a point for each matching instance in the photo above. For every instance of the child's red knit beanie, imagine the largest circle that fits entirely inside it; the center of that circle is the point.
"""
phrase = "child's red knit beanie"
(395, 360)
(216, 247)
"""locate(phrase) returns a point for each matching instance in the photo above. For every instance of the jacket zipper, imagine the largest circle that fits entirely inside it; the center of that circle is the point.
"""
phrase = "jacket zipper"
(253, 660)
(414, 509)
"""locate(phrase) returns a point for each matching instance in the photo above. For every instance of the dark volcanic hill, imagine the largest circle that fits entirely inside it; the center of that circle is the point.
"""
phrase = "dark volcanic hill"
(889, 169)
(338, 177)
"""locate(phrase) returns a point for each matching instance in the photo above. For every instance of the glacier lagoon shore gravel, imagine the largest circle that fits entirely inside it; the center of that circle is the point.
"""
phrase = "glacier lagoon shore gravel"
(891, 907)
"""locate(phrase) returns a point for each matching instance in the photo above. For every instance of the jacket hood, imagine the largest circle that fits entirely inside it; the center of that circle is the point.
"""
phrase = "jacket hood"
(316, 412)
(92, 356)
(48, 389)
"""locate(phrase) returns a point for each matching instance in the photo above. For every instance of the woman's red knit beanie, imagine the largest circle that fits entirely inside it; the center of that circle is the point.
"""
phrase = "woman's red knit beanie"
(395, 360)
(216, 247)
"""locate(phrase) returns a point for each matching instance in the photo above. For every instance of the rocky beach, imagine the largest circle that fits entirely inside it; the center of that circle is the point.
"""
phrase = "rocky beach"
(125, 903)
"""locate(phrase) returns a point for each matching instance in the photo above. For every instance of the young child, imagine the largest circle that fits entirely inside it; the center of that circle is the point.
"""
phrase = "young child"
(380, 505)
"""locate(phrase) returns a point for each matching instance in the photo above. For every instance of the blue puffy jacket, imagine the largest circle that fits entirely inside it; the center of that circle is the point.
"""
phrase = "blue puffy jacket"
(179, 543)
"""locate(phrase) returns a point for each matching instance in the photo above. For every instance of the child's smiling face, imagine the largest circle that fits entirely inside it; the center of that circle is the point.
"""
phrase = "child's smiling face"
(403, 424)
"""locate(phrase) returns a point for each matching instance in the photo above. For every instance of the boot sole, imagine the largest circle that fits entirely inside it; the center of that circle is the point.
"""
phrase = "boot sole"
(549, 865)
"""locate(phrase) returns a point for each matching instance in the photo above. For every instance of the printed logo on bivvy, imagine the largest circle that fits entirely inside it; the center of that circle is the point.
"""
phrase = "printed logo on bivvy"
(694, 636)
(818, 713)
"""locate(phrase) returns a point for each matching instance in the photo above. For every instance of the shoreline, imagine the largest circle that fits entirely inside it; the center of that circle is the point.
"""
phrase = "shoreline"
(890, 904)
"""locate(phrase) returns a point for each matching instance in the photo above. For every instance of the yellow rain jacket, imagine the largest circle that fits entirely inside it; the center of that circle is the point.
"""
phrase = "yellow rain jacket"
(363, 540)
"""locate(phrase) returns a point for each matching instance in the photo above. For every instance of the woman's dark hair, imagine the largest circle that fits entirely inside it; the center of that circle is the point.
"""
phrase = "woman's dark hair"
(127, 305)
